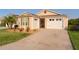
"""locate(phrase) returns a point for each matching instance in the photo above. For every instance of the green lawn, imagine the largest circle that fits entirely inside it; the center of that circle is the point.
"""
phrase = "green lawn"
(74, 36)
(9, 37)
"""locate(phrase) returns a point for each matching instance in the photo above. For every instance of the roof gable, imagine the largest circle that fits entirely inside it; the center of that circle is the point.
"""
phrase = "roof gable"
(46, 12)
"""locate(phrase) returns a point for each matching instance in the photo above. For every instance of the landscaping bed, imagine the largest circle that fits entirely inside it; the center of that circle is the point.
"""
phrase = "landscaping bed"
(9, 37)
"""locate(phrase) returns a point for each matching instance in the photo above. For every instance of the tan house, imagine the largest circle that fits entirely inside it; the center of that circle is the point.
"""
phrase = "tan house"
(44, 19)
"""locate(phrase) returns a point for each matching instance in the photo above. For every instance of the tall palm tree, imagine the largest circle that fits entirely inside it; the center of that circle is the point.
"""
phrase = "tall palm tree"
(10, 20)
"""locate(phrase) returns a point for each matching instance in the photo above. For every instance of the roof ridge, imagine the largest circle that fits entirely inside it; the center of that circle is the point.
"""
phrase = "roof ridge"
(54, 12)
(27, 13)
(49, 11)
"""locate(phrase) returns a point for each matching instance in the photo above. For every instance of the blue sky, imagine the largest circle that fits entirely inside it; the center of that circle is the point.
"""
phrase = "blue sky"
(71, 13)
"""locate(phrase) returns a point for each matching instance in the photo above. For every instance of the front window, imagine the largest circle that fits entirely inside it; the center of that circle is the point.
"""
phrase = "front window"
(23, 23)
(26, 23)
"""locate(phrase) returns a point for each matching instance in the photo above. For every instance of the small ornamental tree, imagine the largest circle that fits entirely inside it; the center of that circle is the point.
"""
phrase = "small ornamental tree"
(9, 20)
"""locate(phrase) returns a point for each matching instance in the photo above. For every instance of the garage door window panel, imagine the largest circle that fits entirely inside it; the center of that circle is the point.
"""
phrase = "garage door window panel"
(51, 19)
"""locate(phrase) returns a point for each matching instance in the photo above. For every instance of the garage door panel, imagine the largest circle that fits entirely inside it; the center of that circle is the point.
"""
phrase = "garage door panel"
(54, 24)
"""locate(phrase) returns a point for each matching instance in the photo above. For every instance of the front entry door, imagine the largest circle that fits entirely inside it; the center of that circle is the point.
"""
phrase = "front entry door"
(42, 23)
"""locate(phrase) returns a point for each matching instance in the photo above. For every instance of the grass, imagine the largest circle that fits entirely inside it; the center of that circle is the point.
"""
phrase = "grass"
(74, 36)
(9, 37)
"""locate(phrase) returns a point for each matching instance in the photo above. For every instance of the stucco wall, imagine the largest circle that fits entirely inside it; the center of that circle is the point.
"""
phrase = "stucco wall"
(65, 21)
(33, 24)
(19, 22)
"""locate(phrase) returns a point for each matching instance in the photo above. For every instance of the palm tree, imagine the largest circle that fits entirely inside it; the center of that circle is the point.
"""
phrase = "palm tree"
(10, 20)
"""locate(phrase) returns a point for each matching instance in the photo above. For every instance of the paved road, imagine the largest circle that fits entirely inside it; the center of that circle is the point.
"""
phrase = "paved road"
(42, 40)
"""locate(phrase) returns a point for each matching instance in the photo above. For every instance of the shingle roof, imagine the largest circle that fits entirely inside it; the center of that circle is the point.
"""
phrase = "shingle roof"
(35, 15)
(28, 14)
(49, 11)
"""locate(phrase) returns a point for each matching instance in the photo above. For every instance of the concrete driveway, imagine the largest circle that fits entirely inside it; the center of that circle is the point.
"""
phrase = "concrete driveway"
(43, 40)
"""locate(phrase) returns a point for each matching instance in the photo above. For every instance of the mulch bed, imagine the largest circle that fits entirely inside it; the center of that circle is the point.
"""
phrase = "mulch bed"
(16, 30)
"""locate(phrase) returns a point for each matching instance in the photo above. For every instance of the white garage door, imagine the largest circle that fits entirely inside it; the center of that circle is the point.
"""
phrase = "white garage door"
(54, 24)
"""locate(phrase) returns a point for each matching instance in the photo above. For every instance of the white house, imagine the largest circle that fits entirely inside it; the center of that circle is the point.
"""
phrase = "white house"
(44, 19)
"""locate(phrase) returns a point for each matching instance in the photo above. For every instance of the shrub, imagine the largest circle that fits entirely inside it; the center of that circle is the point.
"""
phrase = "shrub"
(73, 24)
(28, 29)
(21, 29)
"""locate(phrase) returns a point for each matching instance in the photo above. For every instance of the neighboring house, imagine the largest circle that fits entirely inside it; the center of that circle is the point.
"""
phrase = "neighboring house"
(44, 19)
